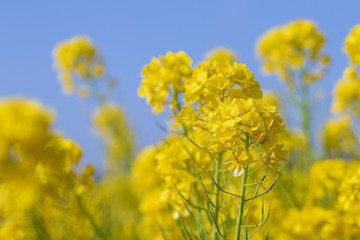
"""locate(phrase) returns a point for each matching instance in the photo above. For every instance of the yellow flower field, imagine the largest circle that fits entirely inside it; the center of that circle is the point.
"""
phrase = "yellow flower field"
(233, 165)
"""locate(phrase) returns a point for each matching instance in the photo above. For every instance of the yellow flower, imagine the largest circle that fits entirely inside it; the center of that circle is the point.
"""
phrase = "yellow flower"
(350, 192)
(238, 161)
(238, 119)
(143, 179)
(339, 138)
(77, 56)
(162, 77)
(217, 78)
(225, 123)
(187, 116)
(352, 43)
(325, 177)
(23, 123)
(311, 222)
(346, 93)
(272, 99)
(38, 177)
(155, 195)
(290, 47)
(110, 122)
(221, 54)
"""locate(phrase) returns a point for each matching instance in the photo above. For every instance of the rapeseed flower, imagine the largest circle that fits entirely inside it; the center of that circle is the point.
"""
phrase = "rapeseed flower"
(77, 56)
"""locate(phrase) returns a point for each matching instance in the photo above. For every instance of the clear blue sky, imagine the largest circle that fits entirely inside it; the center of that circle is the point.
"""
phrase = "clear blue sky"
(129, 33)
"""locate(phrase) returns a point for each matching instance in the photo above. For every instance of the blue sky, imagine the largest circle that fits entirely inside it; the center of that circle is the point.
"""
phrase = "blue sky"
(129, 33)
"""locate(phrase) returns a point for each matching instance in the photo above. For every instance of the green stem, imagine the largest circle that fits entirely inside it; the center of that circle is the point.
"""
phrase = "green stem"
(91, 219)
(217, 194)
(305, 110)
(240, 215)
(40, 229)
(241, 207)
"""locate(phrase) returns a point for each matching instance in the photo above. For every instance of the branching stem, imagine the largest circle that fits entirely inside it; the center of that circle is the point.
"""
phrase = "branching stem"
(217, 195)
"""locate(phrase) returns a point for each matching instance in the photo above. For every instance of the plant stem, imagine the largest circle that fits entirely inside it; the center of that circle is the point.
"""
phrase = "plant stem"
(305, 109)
(240, 215)
(91, 219)
(217, 194)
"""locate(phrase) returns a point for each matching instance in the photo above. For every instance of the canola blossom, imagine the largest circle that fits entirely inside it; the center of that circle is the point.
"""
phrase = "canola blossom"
(346, 96)
(223, 124)
(352, 45)
(165, 76)
(233, 163)
(294, 47)
(40, 181)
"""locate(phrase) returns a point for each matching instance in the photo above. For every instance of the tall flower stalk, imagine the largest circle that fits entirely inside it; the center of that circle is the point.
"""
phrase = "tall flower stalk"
(219, 113)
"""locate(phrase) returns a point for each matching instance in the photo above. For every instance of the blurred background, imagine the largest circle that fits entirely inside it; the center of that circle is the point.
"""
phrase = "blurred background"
(129, 33)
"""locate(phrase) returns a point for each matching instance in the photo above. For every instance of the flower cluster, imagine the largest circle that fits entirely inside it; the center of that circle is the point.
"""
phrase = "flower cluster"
(39, 183)
(153, 196)
(348, 199)
(339, 138)
(312, 205)
(77, 56)
(221, 122)
(346, 94)
(318, 199)
(293, 47)
(110, 122)
(232, 113)
(352, 48)
(216, 175)
(163, 77)
(216, 78)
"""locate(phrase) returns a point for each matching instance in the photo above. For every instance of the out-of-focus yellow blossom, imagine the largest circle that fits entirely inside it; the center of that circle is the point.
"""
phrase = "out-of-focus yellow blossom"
(352, 43)
(272, 99)
(39, 183)
(172, 164)
(348, 199)
(339, 138)
(145, 161)
(291, 47)
(166, 175)
(325, 177)
(347, 94)
(150, 187)
(110, 122)
(77, 56)
(297, 144)
(313, 223)
(115, 187)
(175, 159)
(318, 204)
(23, 123)
(294, 140)
(350, 192)
(221, 54)
(163, 77)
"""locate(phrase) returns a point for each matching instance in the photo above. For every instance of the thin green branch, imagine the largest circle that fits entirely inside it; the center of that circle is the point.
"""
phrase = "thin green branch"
(269, 189)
